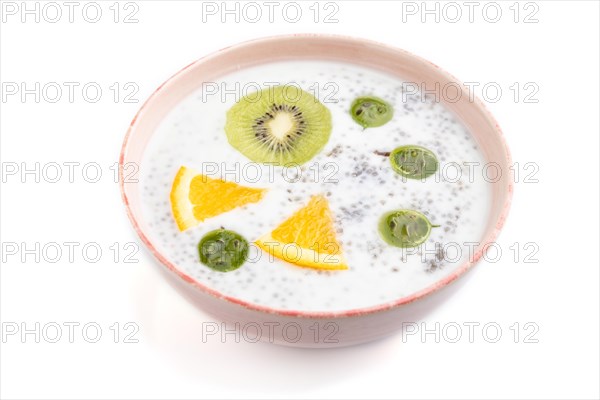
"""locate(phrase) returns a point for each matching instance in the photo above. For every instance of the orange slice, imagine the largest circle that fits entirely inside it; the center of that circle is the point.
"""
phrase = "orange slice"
(307, 238)
(196, 197)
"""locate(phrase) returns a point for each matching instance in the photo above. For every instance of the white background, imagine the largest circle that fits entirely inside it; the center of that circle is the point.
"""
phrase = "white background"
(559, 294)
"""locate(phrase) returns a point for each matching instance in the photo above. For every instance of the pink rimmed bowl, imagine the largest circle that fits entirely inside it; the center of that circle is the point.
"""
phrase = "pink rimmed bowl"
(352, 326)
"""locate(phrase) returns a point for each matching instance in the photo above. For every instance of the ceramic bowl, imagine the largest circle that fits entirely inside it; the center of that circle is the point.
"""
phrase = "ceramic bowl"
(297, 328)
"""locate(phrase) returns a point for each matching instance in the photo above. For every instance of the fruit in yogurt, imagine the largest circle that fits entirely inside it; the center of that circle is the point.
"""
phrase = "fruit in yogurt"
(223, 250)
(414, 162)
(281, 125)
(405, 228)
(307, 238)
(196, 197)
(371, 112)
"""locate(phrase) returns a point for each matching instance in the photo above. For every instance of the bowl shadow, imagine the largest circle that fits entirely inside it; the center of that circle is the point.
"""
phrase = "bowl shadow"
(239, 365)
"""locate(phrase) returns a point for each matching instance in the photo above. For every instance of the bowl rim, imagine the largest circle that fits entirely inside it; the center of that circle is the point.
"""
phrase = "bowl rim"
(459, 271)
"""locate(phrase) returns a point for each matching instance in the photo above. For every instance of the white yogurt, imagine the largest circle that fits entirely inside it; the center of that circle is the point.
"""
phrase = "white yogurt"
(359, 184)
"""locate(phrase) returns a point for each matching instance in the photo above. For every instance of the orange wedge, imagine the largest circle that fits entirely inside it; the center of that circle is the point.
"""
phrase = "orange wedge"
(196, 197)
(307, 238)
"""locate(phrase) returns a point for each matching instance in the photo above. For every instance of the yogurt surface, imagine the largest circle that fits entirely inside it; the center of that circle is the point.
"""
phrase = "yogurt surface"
(359, 184)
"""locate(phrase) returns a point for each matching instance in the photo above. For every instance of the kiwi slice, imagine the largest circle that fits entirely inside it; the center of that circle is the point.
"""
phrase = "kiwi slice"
(282, 125)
